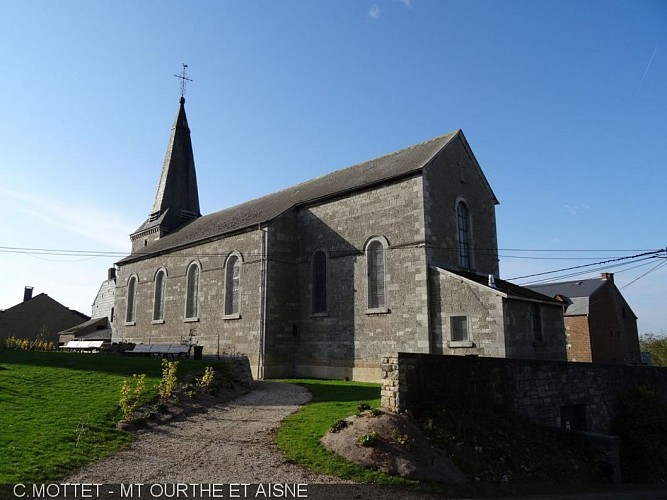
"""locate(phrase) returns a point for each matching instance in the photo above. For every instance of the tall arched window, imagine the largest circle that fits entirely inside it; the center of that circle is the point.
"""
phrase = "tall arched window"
(131, 299)
(463, 223)
(232, 285)
(192, 292)
(375, 261)
(158, 295)
(319, 282)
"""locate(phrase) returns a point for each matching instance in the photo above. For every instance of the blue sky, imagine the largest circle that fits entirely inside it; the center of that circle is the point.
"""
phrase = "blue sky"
(563, 103)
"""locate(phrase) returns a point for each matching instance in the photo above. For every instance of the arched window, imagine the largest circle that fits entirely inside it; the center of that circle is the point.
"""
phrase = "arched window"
(319, 281)
(232, 285)
(131, 299)
(192, 292)
(375, 263)
(158, 295)
(463, 223)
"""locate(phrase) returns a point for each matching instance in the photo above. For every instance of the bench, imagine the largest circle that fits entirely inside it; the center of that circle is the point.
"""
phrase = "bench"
(83, 345)
(160, 350)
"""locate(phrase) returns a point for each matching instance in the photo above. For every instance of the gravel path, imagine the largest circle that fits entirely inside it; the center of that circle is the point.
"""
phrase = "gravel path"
(233, 443)
(229, 443)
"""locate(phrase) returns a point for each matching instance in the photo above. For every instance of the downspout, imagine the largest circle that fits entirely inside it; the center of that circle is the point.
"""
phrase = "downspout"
(262, 302)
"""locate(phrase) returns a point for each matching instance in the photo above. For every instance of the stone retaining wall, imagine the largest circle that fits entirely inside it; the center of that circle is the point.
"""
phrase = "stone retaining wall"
(576, 396)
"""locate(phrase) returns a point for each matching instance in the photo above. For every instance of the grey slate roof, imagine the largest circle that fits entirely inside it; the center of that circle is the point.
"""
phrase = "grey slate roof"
(512, 290)
(177, 193)
(405, 162)
(578, 291)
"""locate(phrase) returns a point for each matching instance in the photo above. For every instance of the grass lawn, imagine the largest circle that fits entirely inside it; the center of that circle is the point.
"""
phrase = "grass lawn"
(299, 436)
(58, 411)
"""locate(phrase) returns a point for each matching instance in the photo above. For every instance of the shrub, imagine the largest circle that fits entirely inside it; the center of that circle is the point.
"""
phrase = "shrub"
(130, 396)
(641, 426)
(12, 342)
(168, 382)
(362, 407)
(206, 380)
(368, 439)
(339, 425)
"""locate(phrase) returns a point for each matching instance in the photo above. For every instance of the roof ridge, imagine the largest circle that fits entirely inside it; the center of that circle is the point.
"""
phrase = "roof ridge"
(319, 178)
(391, 167)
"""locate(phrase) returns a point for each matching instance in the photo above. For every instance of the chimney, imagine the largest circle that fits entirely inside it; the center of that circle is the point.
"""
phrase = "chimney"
(607, 276)
(27, 293)
(111, 274)
(492, 281)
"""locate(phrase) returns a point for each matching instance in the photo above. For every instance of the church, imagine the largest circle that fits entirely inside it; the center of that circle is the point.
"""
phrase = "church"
(398, 253)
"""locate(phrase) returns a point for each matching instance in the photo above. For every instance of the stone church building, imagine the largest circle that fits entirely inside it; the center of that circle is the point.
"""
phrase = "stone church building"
(320, 279)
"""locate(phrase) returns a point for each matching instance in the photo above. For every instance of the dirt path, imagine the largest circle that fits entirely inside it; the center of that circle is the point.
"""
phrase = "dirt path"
(229, 443)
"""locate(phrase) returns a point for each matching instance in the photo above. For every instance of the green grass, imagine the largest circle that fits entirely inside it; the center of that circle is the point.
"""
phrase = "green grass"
(58, 411)
(300, 433)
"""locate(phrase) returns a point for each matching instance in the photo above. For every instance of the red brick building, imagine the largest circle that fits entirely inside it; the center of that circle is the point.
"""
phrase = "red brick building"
(599, 324)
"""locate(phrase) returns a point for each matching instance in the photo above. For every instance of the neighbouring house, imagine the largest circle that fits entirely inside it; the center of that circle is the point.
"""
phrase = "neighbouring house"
(600, 325)
(38, 317)
(398, 253)
(100, 325)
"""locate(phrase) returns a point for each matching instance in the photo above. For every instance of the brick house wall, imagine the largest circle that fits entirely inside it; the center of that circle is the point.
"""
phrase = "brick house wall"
(613, 328)
(578, 339)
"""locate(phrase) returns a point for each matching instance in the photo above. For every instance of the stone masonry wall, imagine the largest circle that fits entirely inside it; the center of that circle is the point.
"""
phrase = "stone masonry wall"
(454, 176)
(347, 341)
(451, 296)
(537, 390)
(210, 329)
(520, 339)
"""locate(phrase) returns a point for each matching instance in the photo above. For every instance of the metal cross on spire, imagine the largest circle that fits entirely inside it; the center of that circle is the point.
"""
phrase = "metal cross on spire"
(184, 78)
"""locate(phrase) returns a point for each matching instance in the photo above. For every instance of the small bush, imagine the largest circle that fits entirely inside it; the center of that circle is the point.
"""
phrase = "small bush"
(641, 426)
(12, 342)
(206, 381)
(368, 439)
(362, 407)
(168, 382)
(339, 425)
(403, 439)
(130, 396)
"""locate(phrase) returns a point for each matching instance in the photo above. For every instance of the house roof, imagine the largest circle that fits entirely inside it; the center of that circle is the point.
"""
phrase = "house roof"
(391, 167)
(30, 318)
(578, 292)
(571, 289)
(505, 287)
(100, 323)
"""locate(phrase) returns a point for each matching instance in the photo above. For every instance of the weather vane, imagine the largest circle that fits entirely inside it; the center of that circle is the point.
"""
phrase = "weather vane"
(184, 78)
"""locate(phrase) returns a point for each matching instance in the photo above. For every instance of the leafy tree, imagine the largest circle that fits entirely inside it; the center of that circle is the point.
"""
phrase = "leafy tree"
(657, 346)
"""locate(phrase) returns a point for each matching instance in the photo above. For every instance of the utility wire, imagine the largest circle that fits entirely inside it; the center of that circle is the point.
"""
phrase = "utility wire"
(564, 277)
(655, 268)
(609, 261)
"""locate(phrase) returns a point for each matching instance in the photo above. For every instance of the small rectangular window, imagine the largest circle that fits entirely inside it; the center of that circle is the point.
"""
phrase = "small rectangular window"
(459, 328)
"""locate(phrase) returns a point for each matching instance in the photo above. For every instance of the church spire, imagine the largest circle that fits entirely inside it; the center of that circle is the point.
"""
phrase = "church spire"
(177, 189)
(177, 199)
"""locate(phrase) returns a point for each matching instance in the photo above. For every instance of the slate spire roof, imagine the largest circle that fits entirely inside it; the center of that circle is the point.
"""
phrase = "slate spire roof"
(177, 198)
